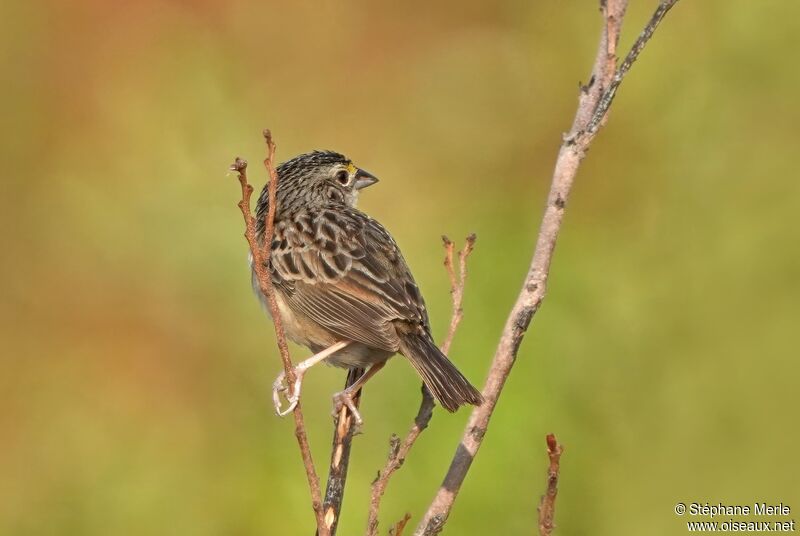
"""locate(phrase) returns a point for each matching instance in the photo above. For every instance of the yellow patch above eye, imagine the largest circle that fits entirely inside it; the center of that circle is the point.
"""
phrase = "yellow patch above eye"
(351, 168)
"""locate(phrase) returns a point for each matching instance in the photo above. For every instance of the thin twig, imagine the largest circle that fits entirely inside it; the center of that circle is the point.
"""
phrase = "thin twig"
(456, 284)
(601, 111)
(343, 428)
(547, 504)
(598, 91)
(398, 528)
(399, 451)
(260, 257)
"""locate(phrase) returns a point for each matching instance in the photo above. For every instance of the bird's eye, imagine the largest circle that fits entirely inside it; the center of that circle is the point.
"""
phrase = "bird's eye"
(343, 177)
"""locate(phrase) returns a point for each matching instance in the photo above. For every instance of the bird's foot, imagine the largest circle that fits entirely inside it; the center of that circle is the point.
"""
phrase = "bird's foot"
(292, 395)
(345, 399)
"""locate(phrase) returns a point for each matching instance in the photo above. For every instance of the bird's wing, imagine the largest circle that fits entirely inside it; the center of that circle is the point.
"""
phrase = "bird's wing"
(344, 271)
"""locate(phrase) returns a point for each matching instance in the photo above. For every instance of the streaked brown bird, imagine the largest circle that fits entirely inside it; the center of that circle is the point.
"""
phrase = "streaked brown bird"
(342, 286)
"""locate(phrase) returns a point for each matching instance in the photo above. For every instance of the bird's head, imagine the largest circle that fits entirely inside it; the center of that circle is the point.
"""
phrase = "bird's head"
(320, 178)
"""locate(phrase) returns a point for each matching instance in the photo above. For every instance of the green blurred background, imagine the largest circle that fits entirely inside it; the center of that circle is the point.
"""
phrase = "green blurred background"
(136, 364)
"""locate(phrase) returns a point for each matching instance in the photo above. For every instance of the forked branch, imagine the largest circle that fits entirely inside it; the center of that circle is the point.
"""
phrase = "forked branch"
(593, 104)
(260, 257)
(398, 451)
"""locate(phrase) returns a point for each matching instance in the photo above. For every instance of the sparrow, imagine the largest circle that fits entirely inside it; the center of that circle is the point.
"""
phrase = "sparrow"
(342, 286)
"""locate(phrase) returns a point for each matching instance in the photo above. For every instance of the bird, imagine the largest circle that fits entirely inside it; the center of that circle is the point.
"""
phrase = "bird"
(342, 287)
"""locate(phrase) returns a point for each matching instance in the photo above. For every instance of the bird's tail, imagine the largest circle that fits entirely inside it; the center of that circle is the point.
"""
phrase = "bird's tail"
(443, 379)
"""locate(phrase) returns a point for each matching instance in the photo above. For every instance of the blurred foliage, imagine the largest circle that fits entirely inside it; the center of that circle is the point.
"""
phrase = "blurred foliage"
(136, 364)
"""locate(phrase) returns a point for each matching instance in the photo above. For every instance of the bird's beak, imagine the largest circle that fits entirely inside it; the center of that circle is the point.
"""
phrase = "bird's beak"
(364, 179)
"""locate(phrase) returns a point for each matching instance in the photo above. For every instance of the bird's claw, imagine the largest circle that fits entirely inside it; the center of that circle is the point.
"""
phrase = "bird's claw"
(345, 399)
(292, 396)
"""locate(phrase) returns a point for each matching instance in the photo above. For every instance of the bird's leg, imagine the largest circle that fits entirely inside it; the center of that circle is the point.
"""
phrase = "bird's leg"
(345, 398)
(293, 394)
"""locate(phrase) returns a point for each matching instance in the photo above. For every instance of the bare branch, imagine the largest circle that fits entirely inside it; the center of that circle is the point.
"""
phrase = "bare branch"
(398, 451)
(343, 427)
(398, 528)
(547, 504)
(456, 285)
(601, 110)
(261, 257)
(598, 92)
